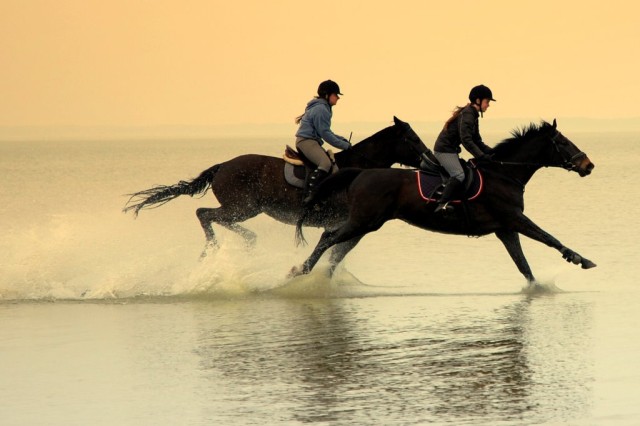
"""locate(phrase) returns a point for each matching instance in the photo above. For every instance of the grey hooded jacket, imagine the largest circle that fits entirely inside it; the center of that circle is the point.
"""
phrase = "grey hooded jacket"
(316, 124)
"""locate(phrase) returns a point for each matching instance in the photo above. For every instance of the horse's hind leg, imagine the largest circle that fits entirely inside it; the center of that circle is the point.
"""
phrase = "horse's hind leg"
(345, 233)
(340, 251)
(207, 226)
(511, 241)
(228, 219)
(326, 241)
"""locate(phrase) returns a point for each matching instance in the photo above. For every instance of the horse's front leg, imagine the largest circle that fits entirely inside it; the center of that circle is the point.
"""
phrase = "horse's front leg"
(511, 241)
(526, 227)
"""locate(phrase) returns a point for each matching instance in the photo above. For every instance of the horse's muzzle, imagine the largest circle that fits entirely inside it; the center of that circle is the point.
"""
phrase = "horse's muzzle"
(584, 166)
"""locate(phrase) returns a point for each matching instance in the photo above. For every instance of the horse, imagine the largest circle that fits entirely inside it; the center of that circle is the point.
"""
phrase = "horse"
(375, 196)
(250, 184)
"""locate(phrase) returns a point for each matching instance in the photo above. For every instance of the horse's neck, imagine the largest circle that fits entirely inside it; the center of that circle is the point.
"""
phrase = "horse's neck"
(368, 153)
(343, 159)
(521, 164)
(518, 175)
(518, 170)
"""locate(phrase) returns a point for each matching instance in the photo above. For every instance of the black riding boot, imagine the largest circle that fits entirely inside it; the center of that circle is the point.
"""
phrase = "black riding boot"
(447, 194)
(316, 177)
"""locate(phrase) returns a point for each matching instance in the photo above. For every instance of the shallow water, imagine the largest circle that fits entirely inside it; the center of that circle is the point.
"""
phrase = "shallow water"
(109, 320)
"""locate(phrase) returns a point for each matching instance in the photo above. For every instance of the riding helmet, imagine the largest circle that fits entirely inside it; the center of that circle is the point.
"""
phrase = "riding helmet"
(328, 87)
(480, 92)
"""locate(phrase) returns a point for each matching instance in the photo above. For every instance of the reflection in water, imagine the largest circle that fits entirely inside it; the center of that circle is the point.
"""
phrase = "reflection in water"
(480, 368)
(445, 359)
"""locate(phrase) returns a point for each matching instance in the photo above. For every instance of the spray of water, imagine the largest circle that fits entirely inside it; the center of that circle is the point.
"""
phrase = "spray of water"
(84, 257)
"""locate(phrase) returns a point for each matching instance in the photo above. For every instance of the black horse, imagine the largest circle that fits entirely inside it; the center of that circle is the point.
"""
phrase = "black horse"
(251, 184)
(376, 196)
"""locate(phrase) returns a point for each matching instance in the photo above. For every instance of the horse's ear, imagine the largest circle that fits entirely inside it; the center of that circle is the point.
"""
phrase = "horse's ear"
(555, 125)
(397, 121)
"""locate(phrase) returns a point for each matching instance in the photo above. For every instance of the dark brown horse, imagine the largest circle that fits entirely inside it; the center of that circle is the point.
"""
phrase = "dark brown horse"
(376, 196)
(251, 184)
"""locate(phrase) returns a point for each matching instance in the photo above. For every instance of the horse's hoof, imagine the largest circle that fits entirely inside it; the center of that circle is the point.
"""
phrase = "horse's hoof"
(572, 257)
(587, 264)
(294, 272)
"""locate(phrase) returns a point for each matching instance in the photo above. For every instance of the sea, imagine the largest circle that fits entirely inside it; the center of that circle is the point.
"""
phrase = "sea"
(107, 319)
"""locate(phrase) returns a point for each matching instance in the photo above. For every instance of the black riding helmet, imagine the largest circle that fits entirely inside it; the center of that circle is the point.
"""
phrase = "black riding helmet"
(328, 87)
(480, 92)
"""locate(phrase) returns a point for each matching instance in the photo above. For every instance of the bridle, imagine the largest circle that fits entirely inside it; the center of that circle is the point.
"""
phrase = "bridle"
(567, 163)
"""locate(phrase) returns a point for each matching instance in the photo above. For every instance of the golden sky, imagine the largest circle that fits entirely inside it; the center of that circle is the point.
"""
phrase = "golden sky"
(219, 62)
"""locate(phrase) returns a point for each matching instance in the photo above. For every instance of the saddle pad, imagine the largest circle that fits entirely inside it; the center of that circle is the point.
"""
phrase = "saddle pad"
(428, 185)
(294, 175)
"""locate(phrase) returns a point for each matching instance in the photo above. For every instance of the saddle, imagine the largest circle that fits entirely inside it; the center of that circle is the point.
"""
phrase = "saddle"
(432, 177)
(292, 156)
(297, 167)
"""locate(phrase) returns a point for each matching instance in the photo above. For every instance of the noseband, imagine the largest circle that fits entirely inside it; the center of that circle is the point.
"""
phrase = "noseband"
(567, 163)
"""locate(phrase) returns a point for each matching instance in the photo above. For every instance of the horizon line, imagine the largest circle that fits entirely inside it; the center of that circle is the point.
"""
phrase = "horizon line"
(280, 129)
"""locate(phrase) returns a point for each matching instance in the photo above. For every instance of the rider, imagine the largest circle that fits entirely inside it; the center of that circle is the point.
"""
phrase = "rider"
(315, 126)
(461, 128)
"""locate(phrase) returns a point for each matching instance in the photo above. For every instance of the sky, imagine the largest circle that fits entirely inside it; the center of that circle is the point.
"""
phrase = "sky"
(197, 63)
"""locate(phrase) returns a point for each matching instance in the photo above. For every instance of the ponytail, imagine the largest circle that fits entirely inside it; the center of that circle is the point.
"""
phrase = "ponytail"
(456, 113)
(299, 118)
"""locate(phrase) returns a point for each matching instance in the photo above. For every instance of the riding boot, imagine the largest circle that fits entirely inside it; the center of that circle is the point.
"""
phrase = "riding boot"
(447, 194)
(316, 177)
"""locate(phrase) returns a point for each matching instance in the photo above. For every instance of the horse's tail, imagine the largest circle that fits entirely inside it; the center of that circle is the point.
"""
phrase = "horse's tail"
(299, 238)
(332, 184)
(159, 195)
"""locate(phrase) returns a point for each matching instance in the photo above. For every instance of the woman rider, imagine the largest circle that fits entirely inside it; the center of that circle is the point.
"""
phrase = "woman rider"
(315, 126)
(461, 128)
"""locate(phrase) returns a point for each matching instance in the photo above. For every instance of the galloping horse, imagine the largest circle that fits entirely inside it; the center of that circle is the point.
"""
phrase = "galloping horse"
(376, 196)
(251, 184)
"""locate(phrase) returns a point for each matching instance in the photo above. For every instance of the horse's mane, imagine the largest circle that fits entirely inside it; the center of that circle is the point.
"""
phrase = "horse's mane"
(521, 135)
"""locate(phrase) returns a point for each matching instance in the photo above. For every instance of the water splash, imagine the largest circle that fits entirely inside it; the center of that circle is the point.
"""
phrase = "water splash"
(77, 257)
(546, 285)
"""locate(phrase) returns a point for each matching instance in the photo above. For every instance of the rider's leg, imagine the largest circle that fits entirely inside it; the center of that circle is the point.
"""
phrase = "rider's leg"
(451, 163)
(314, 152)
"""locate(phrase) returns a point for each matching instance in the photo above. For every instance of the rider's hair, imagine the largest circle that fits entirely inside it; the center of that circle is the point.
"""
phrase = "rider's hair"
(299, 118)
(456, 113)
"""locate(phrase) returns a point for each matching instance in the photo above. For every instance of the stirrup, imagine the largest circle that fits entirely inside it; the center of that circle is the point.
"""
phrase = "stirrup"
(444, 207)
